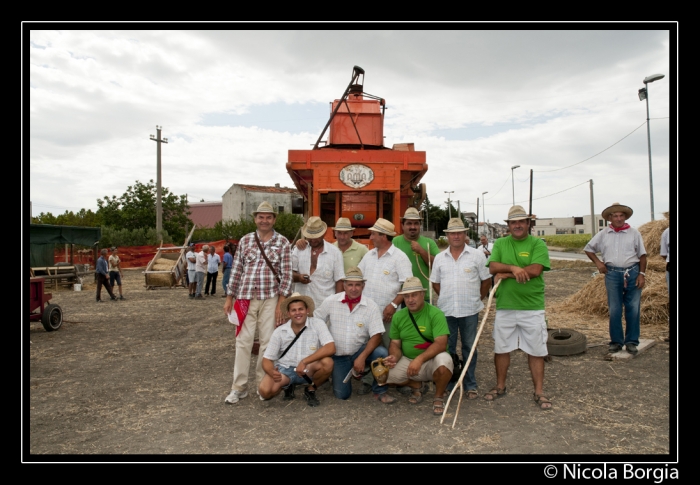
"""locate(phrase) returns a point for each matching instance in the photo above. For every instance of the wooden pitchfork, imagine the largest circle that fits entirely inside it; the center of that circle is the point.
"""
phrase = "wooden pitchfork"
(469, 359)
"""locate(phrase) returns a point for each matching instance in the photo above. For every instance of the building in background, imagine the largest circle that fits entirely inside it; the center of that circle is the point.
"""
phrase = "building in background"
(241, 200)
(566, 225)
(205, 214)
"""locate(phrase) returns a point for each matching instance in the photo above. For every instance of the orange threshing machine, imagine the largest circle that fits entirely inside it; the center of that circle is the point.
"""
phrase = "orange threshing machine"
(353, 174)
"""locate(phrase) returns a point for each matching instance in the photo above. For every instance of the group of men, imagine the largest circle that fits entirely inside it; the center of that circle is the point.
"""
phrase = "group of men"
(326, 310)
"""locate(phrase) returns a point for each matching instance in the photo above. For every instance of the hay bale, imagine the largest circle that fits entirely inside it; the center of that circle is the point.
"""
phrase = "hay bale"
(162, 267)
(165, 261)
(651, 235)
(160, 280)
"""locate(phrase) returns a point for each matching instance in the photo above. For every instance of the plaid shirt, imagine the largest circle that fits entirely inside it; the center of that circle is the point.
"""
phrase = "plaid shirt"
(460, 281)
(621, 249)
(350, 329)
(251, 278)
(385, 275)
(314, 337)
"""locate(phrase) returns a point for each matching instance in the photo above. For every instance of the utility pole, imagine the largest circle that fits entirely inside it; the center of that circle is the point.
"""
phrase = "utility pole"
(449, 203)
(593, 221)
(159, 203)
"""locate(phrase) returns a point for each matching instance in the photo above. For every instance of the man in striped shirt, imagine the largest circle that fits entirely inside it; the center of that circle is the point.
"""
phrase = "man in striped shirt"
(252, 279)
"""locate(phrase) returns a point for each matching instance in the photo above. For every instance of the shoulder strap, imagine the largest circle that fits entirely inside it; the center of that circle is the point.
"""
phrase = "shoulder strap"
(269, 265)
(417, 329)
(290, 345)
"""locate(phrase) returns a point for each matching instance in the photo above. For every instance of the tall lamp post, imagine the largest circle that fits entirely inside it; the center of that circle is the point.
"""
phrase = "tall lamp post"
(644, 94)
(449, 203)
(483, 201)
(512, 180)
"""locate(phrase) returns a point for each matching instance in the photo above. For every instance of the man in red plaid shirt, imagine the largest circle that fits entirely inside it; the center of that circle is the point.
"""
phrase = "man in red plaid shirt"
(252, 279)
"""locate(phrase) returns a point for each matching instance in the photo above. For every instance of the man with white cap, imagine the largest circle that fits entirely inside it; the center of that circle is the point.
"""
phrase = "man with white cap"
(352, 251)
(417, 353)
(517, 261)
(299, 352)
(461, 279)
(624, 265)
(356, 325)
(262, 276)
(317, 271)
(420, 250)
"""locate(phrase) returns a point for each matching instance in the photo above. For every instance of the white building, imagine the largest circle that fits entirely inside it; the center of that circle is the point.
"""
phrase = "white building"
(241, 200)
(566, 225)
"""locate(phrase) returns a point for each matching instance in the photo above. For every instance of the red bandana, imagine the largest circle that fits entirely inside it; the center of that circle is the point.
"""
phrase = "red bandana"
(351, 301)
(618, 229)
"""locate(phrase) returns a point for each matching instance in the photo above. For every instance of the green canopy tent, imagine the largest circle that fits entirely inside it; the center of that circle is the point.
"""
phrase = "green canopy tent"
(43, 237)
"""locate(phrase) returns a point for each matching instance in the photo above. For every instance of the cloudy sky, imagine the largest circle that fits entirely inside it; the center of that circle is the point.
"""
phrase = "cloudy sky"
(562, 103)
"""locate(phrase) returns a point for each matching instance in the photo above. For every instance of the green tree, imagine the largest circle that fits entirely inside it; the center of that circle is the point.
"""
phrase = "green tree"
(136, 209)
(83, 218)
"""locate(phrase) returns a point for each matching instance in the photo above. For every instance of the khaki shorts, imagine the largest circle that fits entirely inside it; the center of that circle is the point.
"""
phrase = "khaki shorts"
(520, 329)
(399, 373)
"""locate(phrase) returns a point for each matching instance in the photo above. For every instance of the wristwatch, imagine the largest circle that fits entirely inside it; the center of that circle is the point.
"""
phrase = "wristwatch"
(394, 305)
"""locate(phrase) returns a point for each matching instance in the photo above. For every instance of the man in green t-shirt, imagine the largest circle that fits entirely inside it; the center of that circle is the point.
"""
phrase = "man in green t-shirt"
(417, 351)
(517, 261)
(421, 251)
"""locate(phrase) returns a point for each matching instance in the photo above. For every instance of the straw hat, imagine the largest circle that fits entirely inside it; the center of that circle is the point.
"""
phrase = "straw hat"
(298, 297)
(383, 226)
(314, 228)
(411, 285)
(517, 213)
(412, 213)
(455, 225)
(343, 224)
(354, 274)
(264, 207)
(617, 207)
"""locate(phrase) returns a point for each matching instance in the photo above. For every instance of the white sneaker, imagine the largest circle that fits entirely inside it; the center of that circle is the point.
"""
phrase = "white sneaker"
(235, 396)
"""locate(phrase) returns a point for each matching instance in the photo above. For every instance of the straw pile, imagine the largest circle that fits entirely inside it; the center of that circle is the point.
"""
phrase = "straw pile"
(592, 298)
(162, 279)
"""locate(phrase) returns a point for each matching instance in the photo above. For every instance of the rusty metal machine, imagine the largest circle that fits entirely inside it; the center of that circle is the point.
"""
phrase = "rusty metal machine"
(352, 174)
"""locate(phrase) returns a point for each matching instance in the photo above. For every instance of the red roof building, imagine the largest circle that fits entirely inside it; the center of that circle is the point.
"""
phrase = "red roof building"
(206, 214)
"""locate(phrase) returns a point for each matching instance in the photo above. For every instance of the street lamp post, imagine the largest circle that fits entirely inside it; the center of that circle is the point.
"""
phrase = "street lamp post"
(644, 94)
(483, 201)
(512, 180)
(449, 203)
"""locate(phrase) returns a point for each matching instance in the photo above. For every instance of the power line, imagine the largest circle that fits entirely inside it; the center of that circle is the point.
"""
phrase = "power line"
(550, 195)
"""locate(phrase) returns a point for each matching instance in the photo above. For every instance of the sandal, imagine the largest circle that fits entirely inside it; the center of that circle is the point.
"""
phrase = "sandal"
(544, 403)
(416, 396)
(494, 394)
(438, 406)
(472, 394)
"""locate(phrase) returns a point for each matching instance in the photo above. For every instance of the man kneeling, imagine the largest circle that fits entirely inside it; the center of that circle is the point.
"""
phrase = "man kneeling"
(299, 351)
(417, 354)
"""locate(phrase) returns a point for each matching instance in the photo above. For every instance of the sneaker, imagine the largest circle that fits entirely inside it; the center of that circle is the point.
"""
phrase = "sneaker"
(366, 389)
(98, 301)
(191, 295)
(121, 297)
(614, 348)
(289, 393)
(113, 298)
(311, 398)
(632, 349)
(235, 396)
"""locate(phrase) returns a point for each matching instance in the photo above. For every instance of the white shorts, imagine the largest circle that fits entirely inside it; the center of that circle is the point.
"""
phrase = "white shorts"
(520, 329)
(399, 374)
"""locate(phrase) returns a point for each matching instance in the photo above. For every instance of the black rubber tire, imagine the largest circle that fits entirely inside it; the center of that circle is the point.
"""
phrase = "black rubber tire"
(564, 341)
(52, 318)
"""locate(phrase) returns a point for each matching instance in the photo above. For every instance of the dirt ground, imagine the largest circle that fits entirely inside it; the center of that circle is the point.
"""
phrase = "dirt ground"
(148, 376)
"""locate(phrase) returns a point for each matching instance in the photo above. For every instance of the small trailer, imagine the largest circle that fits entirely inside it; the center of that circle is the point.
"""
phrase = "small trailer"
(50, 314)
(168, 267)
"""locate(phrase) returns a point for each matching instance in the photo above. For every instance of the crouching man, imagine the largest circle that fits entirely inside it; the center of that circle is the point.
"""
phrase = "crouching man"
(299, 352)
(417, 353)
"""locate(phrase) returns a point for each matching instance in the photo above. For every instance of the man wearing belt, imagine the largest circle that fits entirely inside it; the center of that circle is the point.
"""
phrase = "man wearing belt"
(624, 265)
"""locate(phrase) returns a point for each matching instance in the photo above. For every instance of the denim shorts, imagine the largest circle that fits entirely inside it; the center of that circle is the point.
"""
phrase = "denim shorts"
(293, 376)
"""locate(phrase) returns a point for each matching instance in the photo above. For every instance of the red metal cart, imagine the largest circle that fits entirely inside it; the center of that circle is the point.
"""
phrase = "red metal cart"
(50, 314)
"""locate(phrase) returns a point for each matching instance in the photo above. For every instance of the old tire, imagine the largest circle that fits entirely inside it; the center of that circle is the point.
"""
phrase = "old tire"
(52, 317)
(564, 341)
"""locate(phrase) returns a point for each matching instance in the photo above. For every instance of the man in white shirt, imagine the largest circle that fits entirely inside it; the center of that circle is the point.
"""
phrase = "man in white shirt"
(191, 257)
(200, 266)
(664, 251)
(213, 262)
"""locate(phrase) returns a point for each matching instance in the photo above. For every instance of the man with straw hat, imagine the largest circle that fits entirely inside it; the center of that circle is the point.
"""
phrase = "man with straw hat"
(317, 271)
(461, 279)
(352, 251)
(299, 352)
(417, 352)
(518, 261)
(624, 265)
(261, 276)
(356, 325)
(420, 250)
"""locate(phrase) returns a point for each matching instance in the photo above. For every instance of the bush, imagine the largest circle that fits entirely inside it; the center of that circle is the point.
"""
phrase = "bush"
(572, 241)
(131, 237)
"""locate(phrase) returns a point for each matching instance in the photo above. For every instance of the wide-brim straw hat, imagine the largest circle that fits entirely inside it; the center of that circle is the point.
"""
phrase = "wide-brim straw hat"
(412, 213)
(343, 224)
(314, 228)
(298, 297)
(517, 213)
(617, 207)
(411, 285)
(354, 274)
(264, 207)
(455, 225)
(383, 226)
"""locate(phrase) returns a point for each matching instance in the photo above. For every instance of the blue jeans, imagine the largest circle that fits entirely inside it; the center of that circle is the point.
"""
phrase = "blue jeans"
(342, 365)
(467, 331)
(224, 280)
(630, 298)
